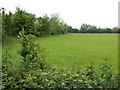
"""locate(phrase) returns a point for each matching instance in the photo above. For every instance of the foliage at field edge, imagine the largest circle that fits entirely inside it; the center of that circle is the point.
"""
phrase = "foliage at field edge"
(35, 72)
(87, 28)
(39, 26)
(12, 23)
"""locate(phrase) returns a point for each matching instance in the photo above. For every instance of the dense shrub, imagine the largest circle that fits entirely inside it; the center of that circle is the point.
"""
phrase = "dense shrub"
(33, 63)
(12, 23)
(22, 19)
(33, 55)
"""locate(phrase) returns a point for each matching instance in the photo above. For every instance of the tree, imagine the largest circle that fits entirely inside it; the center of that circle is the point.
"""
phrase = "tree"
(116, 30)
(84, 28)
(25, 20)
(4, 24)
(46, 24)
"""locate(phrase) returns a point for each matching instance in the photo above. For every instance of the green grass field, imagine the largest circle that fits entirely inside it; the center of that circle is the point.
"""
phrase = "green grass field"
(73, 50)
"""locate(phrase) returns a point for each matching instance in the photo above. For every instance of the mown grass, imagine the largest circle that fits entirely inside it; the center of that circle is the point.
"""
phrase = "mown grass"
(73, 50)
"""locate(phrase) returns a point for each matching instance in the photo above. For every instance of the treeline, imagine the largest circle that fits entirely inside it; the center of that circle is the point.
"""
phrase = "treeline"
(86, 28)
(12, 23)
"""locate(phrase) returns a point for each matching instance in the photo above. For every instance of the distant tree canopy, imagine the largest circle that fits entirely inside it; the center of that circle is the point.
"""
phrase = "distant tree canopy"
(93, 29)
(86, 28)
(12, 23)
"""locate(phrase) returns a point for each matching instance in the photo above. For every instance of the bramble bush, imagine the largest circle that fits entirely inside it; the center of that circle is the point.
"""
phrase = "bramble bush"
(36, 72)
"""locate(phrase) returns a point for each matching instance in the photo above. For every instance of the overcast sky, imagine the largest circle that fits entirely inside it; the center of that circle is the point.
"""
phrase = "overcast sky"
(103, 13)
